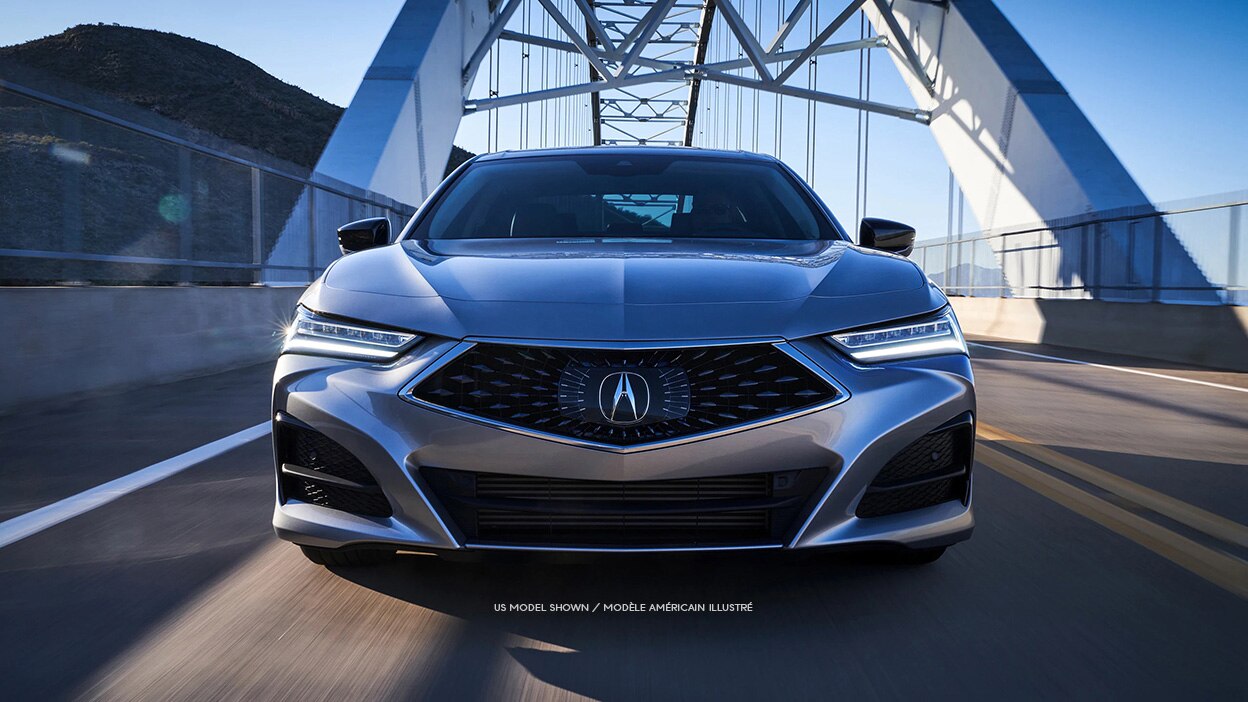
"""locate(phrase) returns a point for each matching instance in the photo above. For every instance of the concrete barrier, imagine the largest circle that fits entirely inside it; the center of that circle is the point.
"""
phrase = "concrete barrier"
(1203, 335)
(60, 341)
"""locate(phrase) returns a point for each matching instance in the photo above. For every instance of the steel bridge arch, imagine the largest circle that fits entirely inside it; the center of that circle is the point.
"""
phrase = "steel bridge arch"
(1020, 148)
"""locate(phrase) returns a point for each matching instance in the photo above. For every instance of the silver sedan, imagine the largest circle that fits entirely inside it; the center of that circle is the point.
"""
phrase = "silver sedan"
(623, 349)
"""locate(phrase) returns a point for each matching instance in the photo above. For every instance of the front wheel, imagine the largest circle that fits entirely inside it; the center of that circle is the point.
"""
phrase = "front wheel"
(346, 557)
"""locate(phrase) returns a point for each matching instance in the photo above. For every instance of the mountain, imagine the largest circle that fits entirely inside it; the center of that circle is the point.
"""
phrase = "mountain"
(193, 82)
(973, 280)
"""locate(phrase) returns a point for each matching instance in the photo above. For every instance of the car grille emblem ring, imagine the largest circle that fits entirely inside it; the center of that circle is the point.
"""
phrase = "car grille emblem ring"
(624, 398)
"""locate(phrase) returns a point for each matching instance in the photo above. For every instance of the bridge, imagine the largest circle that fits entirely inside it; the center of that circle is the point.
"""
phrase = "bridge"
(1108, 337)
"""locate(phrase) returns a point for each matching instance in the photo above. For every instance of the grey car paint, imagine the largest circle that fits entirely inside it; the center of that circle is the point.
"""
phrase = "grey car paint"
(594, 291)
(625, 291)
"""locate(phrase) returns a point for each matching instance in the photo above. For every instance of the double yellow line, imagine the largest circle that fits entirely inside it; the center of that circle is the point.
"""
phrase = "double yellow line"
(1222, 569)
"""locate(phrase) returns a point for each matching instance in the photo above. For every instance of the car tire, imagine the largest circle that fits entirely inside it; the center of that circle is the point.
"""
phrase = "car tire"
(346, 557)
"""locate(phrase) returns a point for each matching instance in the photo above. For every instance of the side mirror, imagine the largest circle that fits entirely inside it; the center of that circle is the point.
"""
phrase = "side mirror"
(886, 235)
(364, 234)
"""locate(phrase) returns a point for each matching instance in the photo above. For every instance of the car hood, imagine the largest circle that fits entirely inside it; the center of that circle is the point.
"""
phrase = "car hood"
(623, 290)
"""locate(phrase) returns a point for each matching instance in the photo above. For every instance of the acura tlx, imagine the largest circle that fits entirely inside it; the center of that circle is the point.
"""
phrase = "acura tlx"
(623, 349)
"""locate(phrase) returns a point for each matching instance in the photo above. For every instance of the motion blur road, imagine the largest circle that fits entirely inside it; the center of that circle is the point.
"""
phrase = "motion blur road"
(1108, 561)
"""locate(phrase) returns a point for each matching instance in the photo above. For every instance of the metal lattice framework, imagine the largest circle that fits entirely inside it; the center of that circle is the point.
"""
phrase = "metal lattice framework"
(647, 61)
(648, 113)
(1019, 147)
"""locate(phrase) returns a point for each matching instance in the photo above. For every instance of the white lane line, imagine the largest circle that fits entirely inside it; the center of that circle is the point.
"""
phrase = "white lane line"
(33, 522)
(1113, 368)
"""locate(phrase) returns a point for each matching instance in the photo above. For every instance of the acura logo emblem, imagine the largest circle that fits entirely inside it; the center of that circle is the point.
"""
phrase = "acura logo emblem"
(624, 398)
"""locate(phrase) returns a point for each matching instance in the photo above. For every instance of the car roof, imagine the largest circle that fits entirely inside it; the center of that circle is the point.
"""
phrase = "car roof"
(689, 151)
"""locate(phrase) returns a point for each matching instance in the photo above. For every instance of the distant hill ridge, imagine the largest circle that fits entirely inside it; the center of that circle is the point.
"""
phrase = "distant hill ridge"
(193, 82)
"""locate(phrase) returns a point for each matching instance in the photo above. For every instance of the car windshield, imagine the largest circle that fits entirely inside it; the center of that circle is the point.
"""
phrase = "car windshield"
(625, 195)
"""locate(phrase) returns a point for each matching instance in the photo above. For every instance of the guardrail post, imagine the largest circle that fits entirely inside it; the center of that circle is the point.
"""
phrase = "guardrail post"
(257, 228)
(1086, 254)
(1232, 257)
(1158, 244)
(964, 269)
(1045, 290)
(1096, 264)
(186, 231)
(1129, 262)
(311, 233)
(71, 202)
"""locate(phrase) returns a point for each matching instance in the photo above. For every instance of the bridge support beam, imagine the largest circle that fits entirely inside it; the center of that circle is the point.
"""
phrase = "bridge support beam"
(396, 136)
(1021, 149)
(1023, 152)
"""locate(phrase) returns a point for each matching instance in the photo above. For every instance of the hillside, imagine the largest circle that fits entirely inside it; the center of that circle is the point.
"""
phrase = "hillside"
(82, 185)
(192, 82)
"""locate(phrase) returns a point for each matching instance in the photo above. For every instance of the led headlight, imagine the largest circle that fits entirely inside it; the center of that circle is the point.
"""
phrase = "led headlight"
(313, 334)
(930, 337)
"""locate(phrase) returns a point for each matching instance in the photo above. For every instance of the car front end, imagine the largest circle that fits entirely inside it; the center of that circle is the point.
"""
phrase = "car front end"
(623, 394)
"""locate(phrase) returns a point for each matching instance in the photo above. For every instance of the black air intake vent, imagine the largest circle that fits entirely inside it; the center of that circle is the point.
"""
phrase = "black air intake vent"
(754, 509)
(313, 450)
(624, 530)
(367, 503)
(316, 469)
(931, 455)
(698, 489)
(905, 499)
(935, 468)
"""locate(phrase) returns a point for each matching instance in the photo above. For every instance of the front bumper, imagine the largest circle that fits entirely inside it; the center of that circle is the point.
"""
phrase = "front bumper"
(359, 406)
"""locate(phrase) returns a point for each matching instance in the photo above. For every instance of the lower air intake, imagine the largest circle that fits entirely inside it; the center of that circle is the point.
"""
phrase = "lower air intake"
(626, 530)
(731, 510)
(878, 504)
(315, 469)
(934, 469)
(369, 504)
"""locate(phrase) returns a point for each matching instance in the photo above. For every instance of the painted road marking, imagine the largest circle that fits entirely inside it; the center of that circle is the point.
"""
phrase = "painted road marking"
(33, 522)
(1108, 367)
(1224, 570)
(1212, 524)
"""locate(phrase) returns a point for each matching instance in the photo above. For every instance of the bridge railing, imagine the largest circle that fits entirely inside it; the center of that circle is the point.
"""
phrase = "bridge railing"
(103, 194)
(1119, 255)
(101, 197)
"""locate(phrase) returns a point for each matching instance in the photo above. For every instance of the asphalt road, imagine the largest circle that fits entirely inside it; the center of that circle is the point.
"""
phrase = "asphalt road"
(1108, 562)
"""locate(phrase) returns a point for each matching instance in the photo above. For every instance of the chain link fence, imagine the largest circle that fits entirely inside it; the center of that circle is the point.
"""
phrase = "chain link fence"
(89, 197)
(111, 195)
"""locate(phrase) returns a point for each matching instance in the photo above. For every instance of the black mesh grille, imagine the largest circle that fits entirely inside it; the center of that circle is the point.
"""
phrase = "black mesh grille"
(933, 469)
(557, 391)
(299, 447)
(315, 451)
(876, 504)
(529, 488)
(932, 454)
(627, 530)
(754, 509)
(368, 503)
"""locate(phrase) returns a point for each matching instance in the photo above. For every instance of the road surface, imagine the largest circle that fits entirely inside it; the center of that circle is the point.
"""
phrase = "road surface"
(1108, 562)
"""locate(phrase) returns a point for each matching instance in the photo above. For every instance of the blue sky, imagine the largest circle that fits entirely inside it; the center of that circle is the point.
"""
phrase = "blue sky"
(1166, 84)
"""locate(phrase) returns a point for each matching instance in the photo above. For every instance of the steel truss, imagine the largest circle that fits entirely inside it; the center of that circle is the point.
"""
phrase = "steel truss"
(647, 60)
